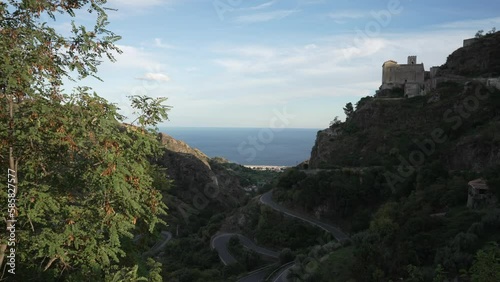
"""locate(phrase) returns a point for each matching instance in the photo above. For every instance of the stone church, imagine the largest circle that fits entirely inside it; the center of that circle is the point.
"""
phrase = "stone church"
(410, 77)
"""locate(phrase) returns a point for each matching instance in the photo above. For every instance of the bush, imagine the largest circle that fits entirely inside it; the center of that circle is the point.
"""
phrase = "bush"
(286, 255)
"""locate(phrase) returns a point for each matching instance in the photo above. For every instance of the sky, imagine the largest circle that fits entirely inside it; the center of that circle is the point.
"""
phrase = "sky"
(255, 63)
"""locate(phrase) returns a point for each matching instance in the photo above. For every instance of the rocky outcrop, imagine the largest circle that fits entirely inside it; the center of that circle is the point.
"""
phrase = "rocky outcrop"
(178, 146)
(195, 183)
(480, 58)
(382, 132)
(385, 131)
(472, 153)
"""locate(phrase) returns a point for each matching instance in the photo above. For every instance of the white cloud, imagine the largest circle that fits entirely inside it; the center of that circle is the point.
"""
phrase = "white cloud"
(468, 24)
(310, 46)
(264, 16)
(343, 16)
(311, 59)
(263, 5)
(155, 77)
(158, 42)
(319, 73)
(133, 57)
(192, 69)
(136, 3)
(333, 68)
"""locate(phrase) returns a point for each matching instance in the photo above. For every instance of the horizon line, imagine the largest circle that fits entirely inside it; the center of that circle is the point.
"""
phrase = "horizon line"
(234, 127)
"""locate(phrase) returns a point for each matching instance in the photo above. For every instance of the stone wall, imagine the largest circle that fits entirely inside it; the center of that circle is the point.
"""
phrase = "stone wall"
(493, 82)
(398, 75)
(470, 41)
(413, 89)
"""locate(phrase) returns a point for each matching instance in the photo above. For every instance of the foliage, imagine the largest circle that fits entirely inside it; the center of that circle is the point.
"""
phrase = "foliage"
(440, 274)
(335, 121)
(480, 33)
(130, 274)
(348, 110)
(363, 101)
(249, 259)
(341, 190)
(191, 259)
(402, 237)
(286, 255)
(247, 176)
(328, 262)
(486, 267)
(276, 231)
(492, 176)
(151, 111)
(290, 178)
(84, 180)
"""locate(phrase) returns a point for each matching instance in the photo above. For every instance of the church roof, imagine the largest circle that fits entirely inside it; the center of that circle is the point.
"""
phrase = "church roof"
(390, 62)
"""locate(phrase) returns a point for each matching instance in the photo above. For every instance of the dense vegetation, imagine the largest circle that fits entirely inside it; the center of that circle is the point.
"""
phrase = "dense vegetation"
(82, 181)
(384, 132)
(90, 197)
(255, 180)
(415, 228)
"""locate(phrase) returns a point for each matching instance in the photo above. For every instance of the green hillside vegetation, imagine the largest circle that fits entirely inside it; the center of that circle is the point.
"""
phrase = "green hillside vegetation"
(408, 220)
(382, 130)
(91, 192)
(83, 181)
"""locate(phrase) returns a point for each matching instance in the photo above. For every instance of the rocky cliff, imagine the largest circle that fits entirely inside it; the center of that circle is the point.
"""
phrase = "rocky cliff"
(456, 125)
(197, 187)
(481, 58)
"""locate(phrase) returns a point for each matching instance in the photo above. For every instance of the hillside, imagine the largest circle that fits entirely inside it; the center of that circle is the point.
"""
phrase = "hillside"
(462, 109)
(395, 175)
(199, 189)
(481, 58)
(381, 132)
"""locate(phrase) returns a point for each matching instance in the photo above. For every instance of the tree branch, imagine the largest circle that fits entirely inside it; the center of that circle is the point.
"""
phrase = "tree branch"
(50, 262)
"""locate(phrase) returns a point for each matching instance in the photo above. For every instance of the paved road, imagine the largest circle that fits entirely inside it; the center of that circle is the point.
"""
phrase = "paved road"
(266, 199)
(220, 244)
(314, 171)
(258, 275)
(283, 273)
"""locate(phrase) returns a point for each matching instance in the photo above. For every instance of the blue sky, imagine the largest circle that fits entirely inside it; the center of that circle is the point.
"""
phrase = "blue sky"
(236, 63)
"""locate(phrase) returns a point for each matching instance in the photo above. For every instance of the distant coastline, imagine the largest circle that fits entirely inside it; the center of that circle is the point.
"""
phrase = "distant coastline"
(267, 167)
(249, 146)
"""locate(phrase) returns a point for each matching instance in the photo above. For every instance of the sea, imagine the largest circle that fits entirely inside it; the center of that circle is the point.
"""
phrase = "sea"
(250, 146)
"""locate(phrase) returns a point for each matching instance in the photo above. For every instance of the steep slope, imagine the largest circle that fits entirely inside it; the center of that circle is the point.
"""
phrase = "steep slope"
(481, 58)
(396, 175)
(197, 187)
(383, 132)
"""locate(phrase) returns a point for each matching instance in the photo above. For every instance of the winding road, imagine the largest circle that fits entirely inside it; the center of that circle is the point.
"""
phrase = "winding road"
(220, 242)
(267, 199)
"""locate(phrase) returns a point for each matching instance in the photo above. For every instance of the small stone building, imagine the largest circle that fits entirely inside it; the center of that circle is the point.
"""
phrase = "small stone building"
(479, 194)
(493, 82)
(470, 41)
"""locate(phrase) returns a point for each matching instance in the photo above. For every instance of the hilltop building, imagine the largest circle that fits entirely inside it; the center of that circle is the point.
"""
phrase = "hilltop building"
(411, 77)
(479, 194)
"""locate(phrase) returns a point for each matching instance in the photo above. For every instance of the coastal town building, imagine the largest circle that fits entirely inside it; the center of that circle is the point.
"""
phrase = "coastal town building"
(267, 167)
